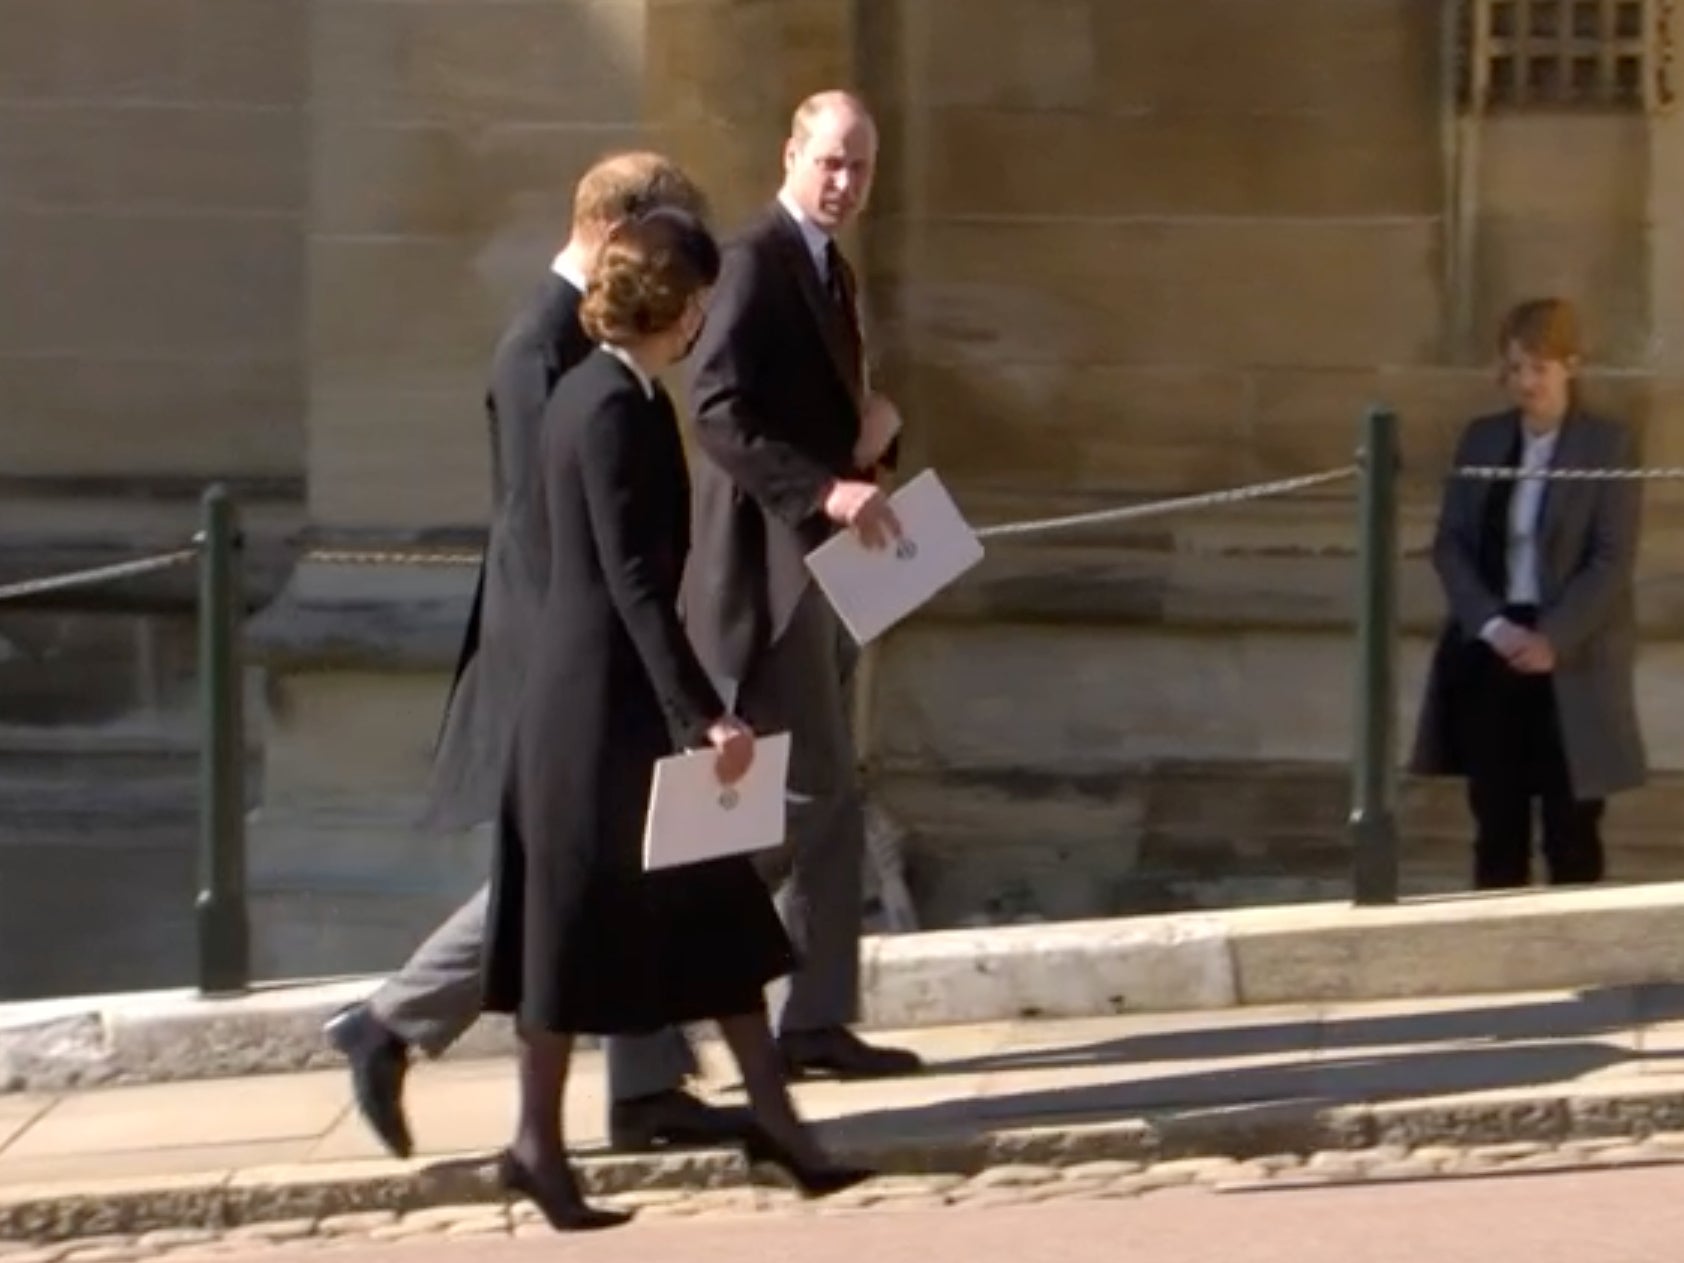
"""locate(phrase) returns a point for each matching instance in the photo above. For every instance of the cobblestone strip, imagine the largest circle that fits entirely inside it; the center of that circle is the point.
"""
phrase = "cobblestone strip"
(1015, 1184)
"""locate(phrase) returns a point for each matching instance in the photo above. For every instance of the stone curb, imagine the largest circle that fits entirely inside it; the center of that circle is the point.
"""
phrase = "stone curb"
(314, 1192)
(1317, 953)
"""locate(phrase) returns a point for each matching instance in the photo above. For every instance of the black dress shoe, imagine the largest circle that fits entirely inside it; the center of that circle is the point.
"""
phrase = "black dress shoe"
(841, 1054)
(673, 1119)
(379, 1060)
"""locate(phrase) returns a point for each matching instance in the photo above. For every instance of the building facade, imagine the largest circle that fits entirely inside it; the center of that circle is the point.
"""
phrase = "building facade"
(1120, 249)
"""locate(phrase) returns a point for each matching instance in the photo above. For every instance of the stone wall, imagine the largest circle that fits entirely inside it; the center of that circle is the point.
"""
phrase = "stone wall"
(1120, 250)
(1148, 248)
(1129, 239)
(446, 136)
(152, 180)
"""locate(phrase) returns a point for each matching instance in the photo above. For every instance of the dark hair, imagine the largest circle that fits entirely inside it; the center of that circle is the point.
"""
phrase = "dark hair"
(646, 275)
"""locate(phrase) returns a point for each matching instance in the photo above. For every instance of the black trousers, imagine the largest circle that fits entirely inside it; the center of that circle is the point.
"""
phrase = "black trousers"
(1515, 758)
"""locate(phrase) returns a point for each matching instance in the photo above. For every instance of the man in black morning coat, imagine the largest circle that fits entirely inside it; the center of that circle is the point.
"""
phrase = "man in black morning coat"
(435, 997)
(788, 438)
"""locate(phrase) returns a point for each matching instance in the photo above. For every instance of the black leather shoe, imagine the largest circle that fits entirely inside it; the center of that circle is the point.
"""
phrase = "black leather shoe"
(839, 1053)
(673, 1120)
(379, 1061)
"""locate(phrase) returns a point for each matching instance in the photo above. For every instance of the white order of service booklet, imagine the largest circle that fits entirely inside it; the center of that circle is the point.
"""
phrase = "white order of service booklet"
(872, 589)
(693, 818)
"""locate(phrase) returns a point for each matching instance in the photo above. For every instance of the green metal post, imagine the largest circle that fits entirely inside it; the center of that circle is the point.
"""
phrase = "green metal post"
(224, 938)
(1374, 836)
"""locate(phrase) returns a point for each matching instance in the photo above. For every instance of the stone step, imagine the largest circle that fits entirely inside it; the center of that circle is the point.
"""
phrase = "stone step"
(98, 859)
(992, 846)
(1078, 698)
(1274, 571)
(70, 779)
(134, 672)
(114, 826)
(1311, 956)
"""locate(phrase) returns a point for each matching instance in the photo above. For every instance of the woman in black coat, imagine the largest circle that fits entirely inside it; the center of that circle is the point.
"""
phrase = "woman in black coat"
(580, 938)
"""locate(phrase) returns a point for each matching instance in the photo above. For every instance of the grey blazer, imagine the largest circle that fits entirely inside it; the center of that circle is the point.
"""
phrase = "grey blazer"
(1588, 533)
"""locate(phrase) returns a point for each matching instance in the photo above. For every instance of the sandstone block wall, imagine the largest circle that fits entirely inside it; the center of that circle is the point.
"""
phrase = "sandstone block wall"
(153, 177)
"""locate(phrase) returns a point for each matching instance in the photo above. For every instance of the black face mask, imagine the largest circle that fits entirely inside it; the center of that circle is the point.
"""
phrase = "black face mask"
(694, 338)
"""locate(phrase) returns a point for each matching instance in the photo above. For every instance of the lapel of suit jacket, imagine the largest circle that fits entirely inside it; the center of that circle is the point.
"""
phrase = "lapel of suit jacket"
(1499, 445)
(787, 233)
(1570, 453)
(1487, 500)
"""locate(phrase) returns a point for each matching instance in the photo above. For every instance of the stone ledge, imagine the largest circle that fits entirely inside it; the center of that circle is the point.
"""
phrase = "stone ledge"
(1458, 944)
(364, 617)
(1164, 834)
(306, 1195)
(410, 618)
(51, 529)
(1240, 588)
(1454, 945)
(395, 618)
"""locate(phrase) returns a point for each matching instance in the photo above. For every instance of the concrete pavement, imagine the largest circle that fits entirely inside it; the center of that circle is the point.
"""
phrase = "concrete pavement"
(1539, 1068)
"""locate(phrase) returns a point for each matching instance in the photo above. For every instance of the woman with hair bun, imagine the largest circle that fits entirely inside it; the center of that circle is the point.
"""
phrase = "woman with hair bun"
(580, 939)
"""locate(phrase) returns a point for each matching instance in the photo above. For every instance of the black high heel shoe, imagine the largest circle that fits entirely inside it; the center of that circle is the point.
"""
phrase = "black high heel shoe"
(761, 1148)
(563, 1209)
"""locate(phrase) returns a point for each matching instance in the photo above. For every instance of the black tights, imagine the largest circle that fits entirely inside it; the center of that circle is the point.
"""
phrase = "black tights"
(543, 1063)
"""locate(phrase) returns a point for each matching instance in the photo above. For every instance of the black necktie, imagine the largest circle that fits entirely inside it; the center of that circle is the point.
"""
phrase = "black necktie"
(839, 280)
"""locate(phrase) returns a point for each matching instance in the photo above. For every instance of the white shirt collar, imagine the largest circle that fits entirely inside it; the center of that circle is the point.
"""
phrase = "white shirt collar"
(563, 267)
(624, 356)
(1537, 450)
(817, 238)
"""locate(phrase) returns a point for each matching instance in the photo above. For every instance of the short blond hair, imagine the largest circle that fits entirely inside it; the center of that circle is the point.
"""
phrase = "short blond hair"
(622, 186)
(801, 124)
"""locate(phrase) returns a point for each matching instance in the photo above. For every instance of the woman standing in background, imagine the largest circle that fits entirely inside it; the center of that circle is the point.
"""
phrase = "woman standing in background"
(1531, 694)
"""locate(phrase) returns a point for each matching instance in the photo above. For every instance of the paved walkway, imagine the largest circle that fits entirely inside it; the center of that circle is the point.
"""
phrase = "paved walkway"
(1618, 1216)
(1009, 1075)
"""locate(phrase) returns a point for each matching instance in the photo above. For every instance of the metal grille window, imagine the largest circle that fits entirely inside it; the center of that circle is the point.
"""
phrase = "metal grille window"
(1566, 54)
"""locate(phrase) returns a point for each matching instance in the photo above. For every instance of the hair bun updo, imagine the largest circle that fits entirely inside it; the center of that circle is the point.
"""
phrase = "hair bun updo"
(647, 273)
